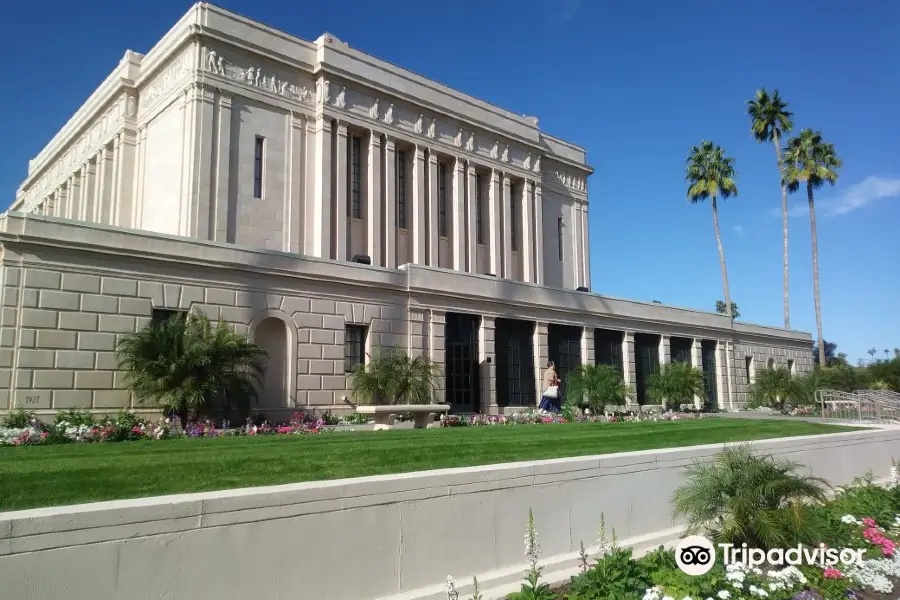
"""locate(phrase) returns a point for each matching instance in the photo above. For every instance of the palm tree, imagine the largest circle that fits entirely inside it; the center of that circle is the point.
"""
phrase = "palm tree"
(595, 387)
(743, 498)
(711, 174)
(807, 158)
(393, 377)
(772, 387)
(769, 121)
(186, 364)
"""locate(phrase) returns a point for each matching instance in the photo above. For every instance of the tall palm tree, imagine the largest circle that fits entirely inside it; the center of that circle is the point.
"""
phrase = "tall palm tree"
(710, 174)
(807, 158)
(769, 121)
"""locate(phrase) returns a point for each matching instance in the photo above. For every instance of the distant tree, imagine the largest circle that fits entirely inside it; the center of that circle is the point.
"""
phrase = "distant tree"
(872, 352)
(769, 120)
(720, 308)
(709, 175)
(809, 160)
(830, 354)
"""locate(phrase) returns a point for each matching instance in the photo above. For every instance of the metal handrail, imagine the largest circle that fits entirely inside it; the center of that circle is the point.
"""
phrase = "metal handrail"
(861, 405)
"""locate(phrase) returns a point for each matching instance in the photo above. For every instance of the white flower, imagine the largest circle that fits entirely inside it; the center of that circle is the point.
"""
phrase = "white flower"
(849, 519)
(724, 595)
(668, 598)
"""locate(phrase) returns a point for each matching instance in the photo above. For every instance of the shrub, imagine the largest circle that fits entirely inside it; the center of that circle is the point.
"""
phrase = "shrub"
(743, 498)
(772, 387)
(676, 383)
(75, 418)
(595, 387)
(18, 418)
(393, 377)
(615, 575)
(188, 365)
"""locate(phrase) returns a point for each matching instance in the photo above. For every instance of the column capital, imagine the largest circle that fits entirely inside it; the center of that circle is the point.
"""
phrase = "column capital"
(298, 120)
(323, 123)
(538, 188)
(375, 138)
(390, 143)
(470, 168)
(224, 99)
(459, 164)
(419, 152)
(342, 128)
(432, 157)
(495, 176)
(506, 180)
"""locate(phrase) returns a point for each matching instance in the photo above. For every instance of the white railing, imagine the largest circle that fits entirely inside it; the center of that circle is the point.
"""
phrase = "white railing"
(862, 405)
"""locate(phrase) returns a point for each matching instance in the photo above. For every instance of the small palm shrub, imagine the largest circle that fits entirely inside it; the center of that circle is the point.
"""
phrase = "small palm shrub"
(188, 365)
(772, 387)
(596, 386)
(393, 377)
(677, 383)
(18, 418)
(879, 384)
(743, 498)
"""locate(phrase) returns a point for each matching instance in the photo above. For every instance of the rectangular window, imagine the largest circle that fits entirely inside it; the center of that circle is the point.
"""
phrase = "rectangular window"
(479, 211)
(748, 364)
(354, 346)
(442, 199)
(161, 315)
(559, 237)
(401, 189)
(355, 177)
(791, 366)
(513, 241)
(258, 167)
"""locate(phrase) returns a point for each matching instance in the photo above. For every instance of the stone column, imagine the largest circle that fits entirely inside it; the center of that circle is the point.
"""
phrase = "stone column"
(494, 225)
(472, 219)
(59, 201)
(438, 350)
(340, 194)
(527, 233)
(73, 191)
(433, 211)
(99, 204)
(487, 360)
(137, 215)
(321, 242)
(373, 197)
(458, 225)
(665, 350)
(629, 371)
(113, 178)
(124, 179)
(585, 248)
(587, 346)
(506, 223)
(86, 208)
(538, 234)
(541, 356)
(293, 215)
(390, 203)
(697, 361)
(576, 242)
(419, 222)
(200, 201)
(221, 172)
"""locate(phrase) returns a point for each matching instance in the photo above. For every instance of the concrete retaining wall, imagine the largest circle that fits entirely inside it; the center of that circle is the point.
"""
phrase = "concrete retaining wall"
(394, 537)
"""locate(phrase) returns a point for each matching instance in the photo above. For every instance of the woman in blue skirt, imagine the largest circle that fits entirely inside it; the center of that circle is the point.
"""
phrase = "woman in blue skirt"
(550, 396)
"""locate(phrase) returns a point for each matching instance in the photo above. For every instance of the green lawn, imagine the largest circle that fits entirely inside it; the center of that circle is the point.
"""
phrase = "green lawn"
(69, 474)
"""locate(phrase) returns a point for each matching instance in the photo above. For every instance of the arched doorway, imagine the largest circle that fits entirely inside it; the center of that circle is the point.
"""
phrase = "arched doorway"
(272, 336)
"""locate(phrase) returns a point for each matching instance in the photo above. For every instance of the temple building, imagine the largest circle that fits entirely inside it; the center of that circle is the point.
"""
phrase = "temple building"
(325, 203)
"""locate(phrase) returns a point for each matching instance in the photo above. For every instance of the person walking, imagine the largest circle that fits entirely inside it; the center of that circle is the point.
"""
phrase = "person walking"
(550, 394)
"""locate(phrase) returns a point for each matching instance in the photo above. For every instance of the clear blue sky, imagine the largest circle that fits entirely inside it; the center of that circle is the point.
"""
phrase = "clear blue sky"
(636, 83)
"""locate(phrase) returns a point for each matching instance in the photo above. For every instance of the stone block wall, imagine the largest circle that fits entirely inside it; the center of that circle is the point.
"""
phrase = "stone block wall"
(59, 331)
(762, 356)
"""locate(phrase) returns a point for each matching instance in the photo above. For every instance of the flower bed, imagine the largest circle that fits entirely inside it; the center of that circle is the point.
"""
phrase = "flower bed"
(83, 427)
(538, 417)
(863, 516)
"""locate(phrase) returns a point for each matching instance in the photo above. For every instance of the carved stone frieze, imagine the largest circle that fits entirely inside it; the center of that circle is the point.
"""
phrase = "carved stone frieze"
(257, 77)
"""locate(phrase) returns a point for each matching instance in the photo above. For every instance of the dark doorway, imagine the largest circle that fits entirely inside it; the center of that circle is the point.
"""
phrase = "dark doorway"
(461, 372)
(564, 344)
(646, 362)
(515, 363)
(608, 349)
(708, 360)
(680, 349)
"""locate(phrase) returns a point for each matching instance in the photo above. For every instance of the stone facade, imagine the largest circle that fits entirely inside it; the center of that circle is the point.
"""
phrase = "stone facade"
(327, 204)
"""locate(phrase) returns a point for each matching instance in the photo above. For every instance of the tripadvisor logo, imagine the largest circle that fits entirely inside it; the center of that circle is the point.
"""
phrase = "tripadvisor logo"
(696, 555)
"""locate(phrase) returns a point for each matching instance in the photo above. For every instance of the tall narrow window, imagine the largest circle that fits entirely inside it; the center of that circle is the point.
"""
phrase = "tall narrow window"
(258, 167)
(748, 364)
(559, 237)
(355, 178)
(442, 199)
(354, 346)
(401, 189)
(513, 242)
(479, 211)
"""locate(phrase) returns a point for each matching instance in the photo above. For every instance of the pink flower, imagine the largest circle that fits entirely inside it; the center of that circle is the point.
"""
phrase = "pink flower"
(832, 573)
(869, 522)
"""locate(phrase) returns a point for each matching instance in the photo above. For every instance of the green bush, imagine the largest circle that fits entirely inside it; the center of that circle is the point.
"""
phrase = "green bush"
(677, 383)
(615, 575)
(393, 377)
(596, 387)
(75, 418)
(773, 387)
(188, 366)
(743, 498)
(18, 418)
